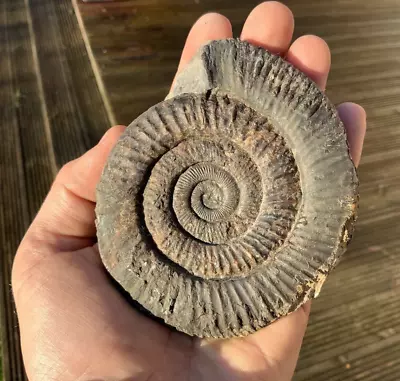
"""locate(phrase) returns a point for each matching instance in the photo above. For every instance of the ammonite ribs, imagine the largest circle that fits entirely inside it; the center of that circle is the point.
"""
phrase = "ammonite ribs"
(224, 207)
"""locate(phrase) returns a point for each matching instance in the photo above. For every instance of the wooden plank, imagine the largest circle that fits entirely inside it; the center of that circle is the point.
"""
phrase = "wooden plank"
(76, 110)
(355, 323)
(352, 330)
(138, 59)
(35, 138)
(51, 111)
(13, 199)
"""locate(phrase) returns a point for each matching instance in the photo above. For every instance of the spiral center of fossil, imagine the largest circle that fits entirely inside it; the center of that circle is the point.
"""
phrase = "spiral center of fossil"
(213, 195)
(213, 199)
(217, 192)
(209, 193)
(213, 192)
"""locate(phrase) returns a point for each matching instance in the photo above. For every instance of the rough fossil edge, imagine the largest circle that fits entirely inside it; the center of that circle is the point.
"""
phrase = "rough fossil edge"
(315, 110)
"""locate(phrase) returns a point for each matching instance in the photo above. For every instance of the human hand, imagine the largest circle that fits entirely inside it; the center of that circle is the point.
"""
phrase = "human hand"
(76, 326)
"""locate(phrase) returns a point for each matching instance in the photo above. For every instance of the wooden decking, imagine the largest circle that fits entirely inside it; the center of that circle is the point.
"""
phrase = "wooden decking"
(50, 112)
(68, 70)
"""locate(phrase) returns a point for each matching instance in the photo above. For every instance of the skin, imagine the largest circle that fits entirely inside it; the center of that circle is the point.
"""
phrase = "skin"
(76, 326)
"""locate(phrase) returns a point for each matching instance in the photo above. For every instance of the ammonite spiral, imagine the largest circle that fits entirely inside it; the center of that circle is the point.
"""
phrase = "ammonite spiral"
(224, 207)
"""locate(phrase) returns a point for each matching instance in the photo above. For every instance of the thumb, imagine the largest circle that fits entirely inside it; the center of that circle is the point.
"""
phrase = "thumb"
(66, 219)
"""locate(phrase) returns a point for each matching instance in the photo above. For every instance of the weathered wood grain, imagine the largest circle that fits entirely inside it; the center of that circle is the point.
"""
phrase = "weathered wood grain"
(24, 152)
(51, 111)
(77, 116)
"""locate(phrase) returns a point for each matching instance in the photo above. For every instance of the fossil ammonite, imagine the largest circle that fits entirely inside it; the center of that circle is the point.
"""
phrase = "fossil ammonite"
(225, 206)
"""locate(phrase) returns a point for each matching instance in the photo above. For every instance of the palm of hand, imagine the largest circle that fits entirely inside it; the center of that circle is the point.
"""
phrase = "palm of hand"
(89, 332)
(76, 326)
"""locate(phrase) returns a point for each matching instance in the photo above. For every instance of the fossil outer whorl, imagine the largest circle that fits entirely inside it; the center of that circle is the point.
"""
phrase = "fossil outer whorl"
(224, 207)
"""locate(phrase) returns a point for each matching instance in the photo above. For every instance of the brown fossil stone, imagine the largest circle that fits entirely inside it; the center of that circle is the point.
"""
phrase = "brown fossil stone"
(224, 207)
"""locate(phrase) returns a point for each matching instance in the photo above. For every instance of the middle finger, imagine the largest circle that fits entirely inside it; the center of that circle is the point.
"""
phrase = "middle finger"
(269, 25)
